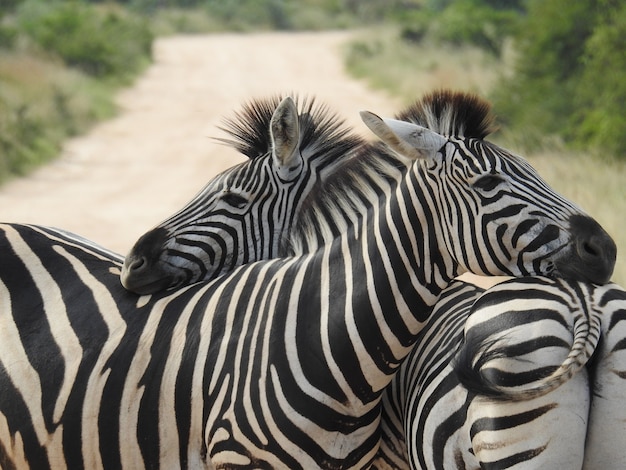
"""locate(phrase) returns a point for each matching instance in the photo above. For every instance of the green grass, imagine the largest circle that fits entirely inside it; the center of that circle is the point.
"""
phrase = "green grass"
(41, 104)
(407, 70)
(59, 72)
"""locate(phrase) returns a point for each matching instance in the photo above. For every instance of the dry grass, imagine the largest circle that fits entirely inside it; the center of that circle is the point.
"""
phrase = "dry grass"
(409, 70)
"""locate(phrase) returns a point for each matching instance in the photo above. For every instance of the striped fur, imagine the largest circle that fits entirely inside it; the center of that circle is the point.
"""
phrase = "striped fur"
(280, 363)
(450, 422)
(242, 214)
(182, 249)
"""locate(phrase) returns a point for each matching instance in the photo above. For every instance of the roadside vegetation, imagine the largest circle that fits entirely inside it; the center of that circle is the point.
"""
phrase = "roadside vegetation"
(61, 61)
(60, 64)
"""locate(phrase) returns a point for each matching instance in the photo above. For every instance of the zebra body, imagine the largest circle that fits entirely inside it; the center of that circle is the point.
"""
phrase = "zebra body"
(280, 363)
(605, 444)
(140, 329)
(514, 335)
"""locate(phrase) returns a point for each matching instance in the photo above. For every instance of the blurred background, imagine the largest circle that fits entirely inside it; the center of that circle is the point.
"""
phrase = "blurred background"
(555, 71)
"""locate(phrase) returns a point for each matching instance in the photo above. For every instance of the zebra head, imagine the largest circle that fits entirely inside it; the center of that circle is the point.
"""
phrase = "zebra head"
(243, 213)
(497, 216)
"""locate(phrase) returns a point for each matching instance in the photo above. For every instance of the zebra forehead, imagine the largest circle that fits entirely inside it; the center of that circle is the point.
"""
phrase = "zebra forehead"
(249, 128)
(477, 156)
(452, 113)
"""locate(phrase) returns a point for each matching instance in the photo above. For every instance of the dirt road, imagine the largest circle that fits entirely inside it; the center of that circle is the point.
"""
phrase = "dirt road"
(129, 173)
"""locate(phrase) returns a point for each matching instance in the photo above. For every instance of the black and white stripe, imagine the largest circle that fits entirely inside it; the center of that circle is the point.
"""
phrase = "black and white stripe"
(242, 214)
(483, 187)
(476, 389)
(280, 363)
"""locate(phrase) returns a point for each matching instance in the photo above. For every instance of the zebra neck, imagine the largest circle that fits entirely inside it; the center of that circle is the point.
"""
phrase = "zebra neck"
(382, 282)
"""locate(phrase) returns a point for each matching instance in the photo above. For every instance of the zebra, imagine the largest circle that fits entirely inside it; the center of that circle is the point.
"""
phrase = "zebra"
(243, 213)
(280, 363)
(609, 368)
(604, 446)
(473, 392)
(435, 111)
(178, 251)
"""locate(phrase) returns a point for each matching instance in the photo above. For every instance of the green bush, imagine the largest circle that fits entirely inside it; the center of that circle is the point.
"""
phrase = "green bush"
(473, 22)
(8, 34)
(459, 23)
(61, 63)
(600, 116)
(570, 76)
(41, 104)
(101, 41)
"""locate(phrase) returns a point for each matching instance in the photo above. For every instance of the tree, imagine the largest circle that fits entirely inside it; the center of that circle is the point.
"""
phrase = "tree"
(550, 42)
(600, 117)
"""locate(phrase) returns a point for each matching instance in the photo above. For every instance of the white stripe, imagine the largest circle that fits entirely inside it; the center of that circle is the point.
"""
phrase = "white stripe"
(116, 327)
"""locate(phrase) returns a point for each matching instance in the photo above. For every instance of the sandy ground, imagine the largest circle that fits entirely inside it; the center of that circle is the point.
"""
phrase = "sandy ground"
(126, 175)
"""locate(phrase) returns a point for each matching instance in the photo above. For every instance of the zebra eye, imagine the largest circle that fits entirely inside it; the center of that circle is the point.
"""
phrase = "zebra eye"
(488, 182)
(234, 199)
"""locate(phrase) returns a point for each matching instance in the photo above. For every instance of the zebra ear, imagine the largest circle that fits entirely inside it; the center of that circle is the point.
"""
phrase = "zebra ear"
(285, 134)
(405, 138)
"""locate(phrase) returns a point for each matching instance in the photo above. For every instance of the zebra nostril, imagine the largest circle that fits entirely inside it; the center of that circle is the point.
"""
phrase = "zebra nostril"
(590, 249)
(138, 264)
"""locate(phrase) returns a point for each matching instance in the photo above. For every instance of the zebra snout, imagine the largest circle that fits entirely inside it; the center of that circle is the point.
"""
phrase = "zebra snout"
(137, 265)
(141, 272)
(593, 254)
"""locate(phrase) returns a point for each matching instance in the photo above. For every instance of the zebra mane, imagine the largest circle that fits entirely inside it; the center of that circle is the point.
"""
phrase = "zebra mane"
(249, 128)
(336, 204)
(452, 114)
(357, 184)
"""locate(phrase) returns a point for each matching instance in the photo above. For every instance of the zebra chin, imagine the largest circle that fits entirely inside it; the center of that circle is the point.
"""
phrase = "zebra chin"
(137, 277)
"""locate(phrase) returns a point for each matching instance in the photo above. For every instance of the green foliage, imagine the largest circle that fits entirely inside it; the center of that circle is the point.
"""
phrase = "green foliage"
(474, 22)
(41, 104)
(8, 34)
(600, 116)
(238, 14)
(246, 15)
(570, 76)
(7, 6)
(102, 42)
(552, 37)
(61, 63)
(459, 22)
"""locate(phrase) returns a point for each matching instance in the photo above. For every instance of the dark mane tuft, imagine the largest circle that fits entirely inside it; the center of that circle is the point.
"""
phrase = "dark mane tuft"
(249, 128)
(452, 113)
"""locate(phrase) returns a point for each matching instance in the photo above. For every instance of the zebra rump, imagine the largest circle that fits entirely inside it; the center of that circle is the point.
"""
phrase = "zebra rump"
(430, 420)
(497, 356)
